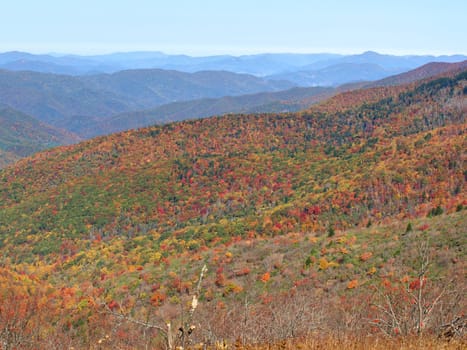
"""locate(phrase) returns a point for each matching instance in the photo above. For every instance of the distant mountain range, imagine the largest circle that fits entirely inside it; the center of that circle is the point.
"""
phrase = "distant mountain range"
(368, 66)
(338, 74)
(261, 65)
(298, 68)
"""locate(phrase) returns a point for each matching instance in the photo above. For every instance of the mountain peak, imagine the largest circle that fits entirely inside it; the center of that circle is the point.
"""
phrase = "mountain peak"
(371, 53)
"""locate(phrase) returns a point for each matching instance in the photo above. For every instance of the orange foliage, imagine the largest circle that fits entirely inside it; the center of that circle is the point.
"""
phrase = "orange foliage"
(265, 277)
(366, 256)
(352, 284)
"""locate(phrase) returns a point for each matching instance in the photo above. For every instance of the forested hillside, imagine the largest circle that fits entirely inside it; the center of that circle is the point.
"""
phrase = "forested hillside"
(245, 166)
(353, 211)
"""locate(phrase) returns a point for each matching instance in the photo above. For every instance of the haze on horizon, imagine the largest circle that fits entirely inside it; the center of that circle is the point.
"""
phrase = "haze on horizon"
(210, 27)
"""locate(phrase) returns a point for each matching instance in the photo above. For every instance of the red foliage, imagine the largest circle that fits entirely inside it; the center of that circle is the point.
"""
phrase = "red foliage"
(242, 272)
(416, 284)
(113, 305)
(424, 227)
(158, 298)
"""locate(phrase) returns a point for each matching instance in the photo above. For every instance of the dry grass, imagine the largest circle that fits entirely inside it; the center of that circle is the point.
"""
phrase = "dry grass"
(350, 343)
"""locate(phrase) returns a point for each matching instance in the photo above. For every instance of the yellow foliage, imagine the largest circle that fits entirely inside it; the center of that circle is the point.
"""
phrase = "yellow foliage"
(324, 264)
(156, 257)
(313, 239)
(342, 239)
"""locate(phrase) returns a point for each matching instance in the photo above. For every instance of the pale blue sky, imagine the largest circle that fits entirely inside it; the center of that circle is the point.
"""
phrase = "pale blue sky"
(200, 27)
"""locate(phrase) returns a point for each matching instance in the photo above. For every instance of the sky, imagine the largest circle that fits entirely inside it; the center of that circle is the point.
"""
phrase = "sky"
(207, 27)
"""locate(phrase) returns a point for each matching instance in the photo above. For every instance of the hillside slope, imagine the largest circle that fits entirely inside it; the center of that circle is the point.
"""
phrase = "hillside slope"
(342, 220)
(353, 95)
(7, 158)
(255, 170)
(50, 98)
(22, 135)
(424, 72)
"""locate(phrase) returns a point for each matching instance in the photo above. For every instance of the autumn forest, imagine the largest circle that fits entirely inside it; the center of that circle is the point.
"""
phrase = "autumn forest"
(341, 225)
